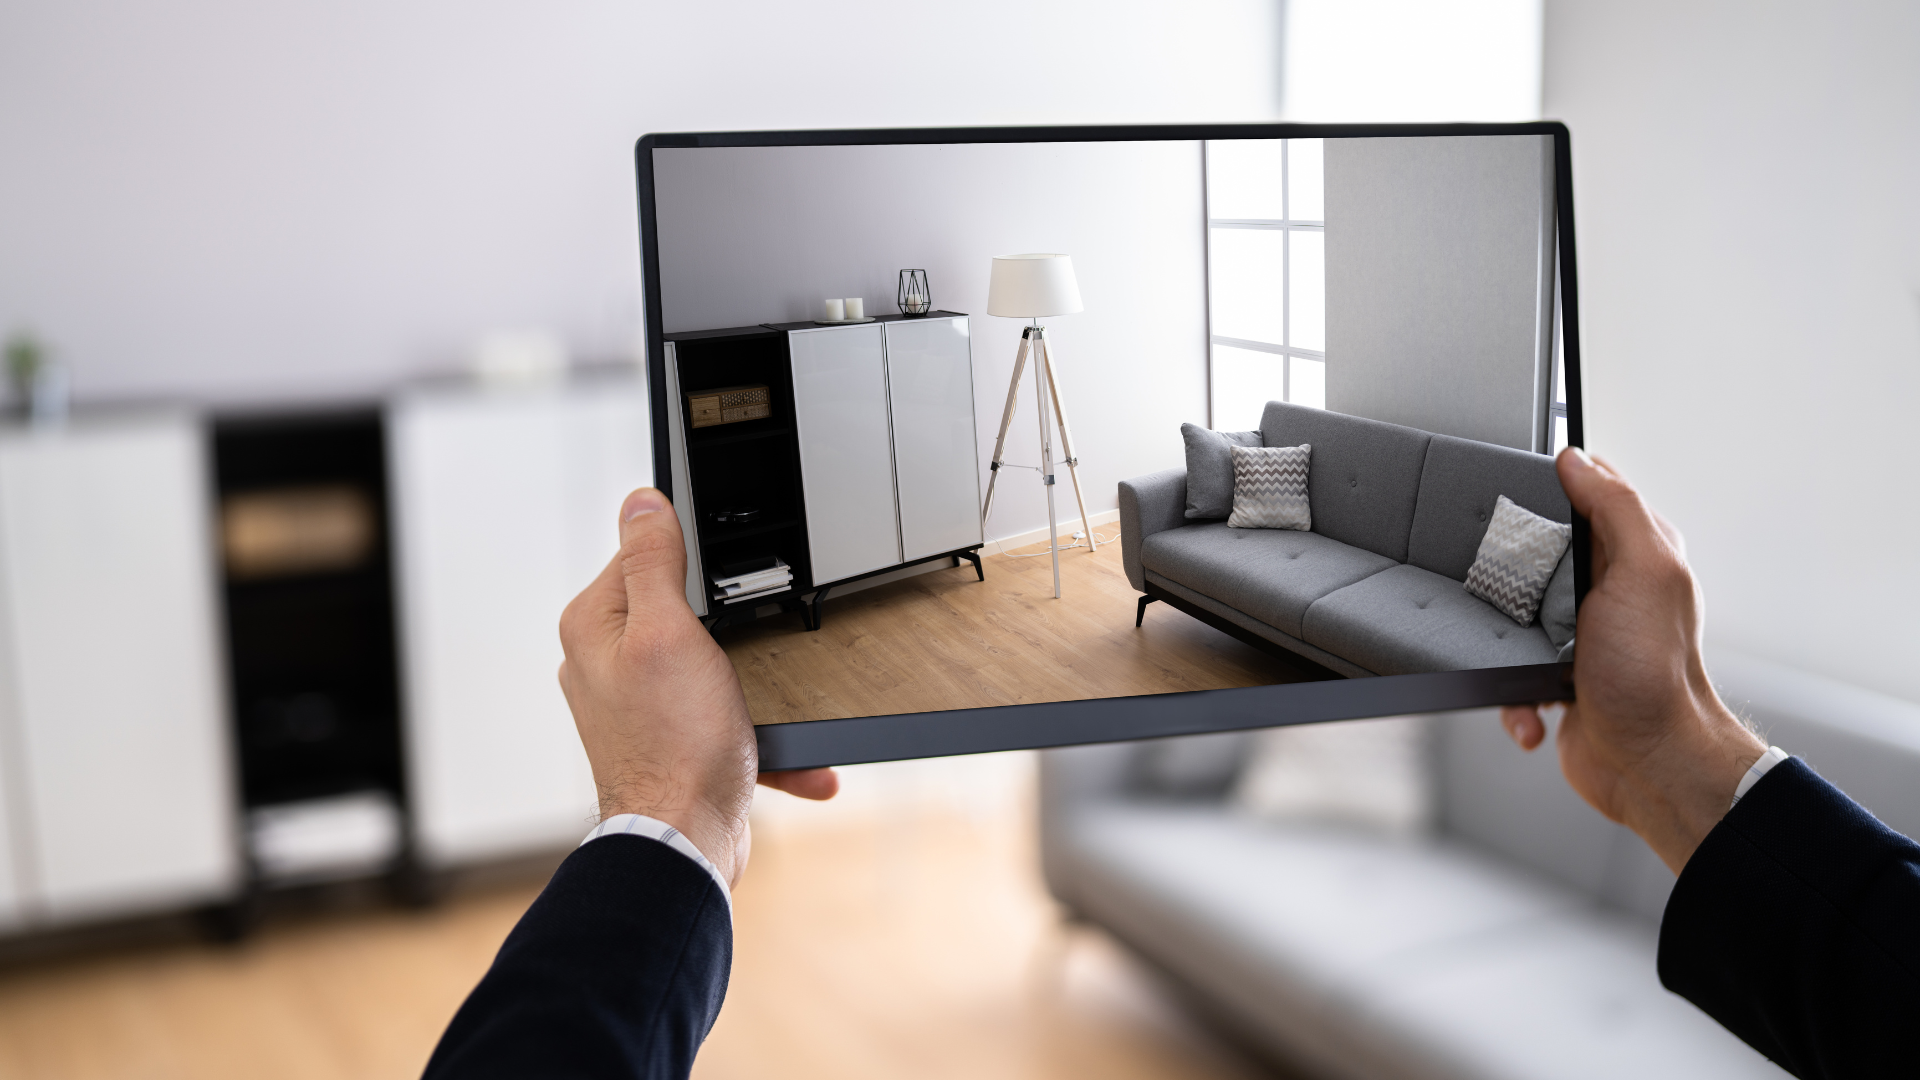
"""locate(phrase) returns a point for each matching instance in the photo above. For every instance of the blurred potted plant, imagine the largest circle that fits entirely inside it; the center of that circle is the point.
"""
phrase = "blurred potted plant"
(39, 382)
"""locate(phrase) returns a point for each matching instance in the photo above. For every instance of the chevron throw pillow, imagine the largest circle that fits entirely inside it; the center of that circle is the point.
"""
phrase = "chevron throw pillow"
(1516, 560)
(1270, 488)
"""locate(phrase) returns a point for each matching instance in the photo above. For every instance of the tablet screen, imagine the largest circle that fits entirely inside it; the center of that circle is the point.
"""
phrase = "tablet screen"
(1016, 437)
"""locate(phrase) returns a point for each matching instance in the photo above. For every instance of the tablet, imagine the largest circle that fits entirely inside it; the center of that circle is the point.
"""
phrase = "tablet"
(998, 438)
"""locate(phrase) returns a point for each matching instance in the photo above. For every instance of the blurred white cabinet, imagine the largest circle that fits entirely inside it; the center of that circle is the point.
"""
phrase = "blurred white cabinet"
(114, 759)
(505, 505)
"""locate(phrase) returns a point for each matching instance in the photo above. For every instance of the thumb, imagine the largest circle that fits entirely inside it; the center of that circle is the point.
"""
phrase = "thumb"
(653, 558)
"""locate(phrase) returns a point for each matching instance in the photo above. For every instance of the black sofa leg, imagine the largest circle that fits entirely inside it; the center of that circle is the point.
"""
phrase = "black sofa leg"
(1140, 614)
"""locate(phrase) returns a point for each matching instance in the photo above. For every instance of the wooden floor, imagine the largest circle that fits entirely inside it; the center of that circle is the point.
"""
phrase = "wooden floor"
(895, 940)
(946, 640)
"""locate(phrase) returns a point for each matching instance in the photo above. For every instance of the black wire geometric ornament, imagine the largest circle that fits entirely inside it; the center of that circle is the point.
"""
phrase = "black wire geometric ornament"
(914, 298)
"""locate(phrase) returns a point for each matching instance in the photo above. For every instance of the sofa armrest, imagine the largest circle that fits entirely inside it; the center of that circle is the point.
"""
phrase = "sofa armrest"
(1149, 504)
(1071, 778)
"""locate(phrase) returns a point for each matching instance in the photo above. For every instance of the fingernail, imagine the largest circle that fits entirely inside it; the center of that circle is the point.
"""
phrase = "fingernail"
(644, 501)
(1580, 457)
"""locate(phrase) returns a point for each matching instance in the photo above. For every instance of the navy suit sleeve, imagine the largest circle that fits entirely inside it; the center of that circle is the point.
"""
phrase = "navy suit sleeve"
(1797, 926)
(617, 970)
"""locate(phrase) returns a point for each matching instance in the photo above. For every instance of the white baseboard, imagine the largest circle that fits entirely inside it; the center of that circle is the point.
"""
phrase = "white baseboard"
(1004, 544)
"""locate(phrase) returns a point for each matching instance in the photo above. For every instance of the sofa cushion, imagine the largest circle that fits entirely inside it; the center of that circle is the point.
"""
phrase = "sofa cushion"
(1270, 487)
(1271, 574)
(1405, 620)
(1210, 469)
(1517, 559)
(1365, 476)
(1375, 958)
(1459, 484)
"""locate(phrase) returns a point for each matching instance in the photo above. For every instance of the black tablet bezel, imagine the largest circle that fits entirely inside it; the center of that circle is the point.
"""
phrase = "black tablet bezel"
(812, 743)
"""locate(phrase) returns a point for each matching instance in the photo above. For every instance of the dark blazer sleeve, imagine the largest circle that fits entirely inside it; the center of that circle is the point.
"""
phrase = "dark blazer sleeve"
(617, 970)
(1797, 926)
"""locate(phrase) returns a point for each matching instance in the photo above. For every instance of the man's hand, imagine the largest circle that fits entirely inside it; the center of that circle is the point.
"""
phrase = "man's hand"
(1648, 742)
(657, 703)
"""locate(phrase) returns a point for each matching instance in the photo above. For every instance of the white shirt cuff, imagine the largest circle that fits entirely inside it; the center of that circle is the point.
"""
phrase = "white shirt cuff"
(655, 829)
(1768, 760)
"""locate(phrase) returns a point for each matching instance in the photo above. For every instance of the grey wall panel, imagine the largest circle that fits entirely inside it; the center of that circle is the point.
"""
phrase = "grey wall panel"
(930, 380)
(846, 454)
(1434, 282)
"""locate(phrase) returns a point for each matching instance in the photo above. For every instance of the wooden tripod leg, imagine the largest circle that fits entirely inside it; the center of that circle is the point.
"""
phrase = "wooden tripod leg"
(1066, 438)
(1006, 419)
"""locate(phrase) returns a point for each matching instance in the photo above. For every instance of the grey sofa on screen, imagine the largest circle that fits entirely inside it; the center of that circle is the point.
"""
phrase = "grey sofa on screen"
(1377, 587)
(1517, 941)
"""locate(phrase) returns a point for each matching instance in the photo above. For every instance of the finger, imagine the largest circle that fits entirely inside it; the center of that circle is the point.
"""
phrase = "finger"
(653, 559)
(816, 784)
(1623, 525)
(1523, 725)
(1668, 530)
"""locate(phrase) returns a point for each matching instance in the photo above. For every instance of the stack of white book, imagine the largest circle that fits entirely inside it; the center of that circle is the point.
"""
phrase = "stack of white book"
(753, 579)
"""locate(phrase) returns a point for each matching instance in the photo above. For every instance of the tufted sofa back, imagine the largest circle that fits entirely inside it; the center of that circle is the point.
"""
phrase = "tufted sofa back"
(1363, 478)
(1407, 494)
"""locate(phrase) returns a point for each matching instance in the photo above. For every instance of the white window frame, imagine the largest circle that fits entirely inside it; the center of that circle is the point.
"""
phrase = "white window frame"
(1285, 223)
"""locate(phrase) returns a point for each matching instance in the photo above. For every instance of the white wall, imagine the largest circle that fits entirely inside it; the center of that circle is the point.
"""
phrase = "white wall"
(761, 234)
(1745, 179)
(215, 198)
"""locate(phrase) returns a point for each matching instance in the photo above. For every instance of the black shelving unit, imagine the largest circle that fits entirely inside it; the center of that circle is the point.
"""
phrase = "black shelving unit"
(750, 463)
(313, 666)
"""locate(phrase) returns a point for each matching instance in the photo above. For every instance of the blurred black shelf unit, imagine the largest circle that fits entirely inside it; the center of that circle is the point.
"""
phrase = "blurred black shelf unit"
(310, 622)
(750, 466)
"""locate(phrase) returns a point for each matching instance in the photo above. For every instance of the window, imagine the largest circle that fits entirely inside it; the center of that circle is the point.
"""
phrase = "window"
(1266, 277)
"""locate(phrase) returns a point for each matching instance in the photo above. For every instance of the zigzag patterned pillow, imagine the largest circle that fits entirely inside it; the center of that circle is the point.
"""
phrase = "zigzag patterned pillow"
(1516, 560)
(1270, 488)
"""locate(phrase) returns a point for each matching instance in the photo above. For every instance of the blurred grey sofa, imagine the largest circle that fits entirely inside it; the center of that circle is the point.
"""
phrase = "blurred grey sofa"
(1517, 941)
(1377, 587)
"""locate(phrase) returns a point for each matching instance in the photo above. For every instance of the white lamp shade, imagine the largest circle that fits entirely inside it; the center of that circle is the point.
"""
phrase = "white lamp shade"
(1033, 286)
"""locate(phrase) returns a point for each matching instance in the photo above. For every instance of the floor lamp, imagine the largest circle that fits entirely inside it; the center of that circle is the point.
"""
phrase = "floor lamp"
(1035, 287)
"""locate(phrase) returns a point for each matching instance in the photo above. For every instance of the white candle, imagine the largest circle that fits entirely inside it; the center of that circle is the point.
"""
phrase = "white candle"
(856, 307)
(836, 311)
(916, 301)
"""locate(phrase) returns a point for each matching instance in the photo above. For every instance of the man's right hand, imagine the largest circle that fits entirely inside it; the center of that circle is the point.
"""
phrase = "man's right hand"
(1647, 742)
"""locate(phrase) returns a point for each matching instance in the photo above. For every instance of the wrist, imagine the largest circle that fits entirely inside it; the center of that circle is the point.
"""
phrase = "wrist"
(1682, 790)
(715, 833)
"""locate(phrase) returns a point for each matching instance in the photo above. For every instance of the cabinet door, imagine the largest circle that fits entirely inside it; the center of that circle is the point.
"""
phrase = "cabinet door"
(846, 455)
(106, 565)
(930, 382)
(505, 505)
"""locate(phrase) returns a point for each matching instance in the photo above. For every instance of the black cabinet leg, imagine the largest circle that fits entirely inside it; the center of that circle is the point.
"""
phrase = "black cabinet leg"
(1140, 614)
(974, 557)
(818, 596)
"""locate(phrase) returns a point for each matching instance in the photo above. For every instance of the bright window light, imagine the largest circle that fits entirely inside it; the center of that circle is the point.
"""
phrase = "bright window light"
(1243, 178)
(1412, 60)
(1307, 290)
(1309, 383)
(1249, 284)
(1243, 382)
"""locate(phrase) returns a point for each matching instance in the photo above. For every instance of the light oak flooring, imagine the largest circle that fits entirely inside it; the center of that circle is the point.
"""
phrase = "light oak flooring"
(946, 640)
(892, 941)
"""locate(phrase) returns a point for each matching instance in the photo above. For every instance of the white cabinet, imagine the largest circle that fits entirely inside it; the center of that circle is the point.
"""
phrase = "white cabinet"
(930, 387)
(118, 780)
(846, 449)
(505, 505)
(887, 452)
